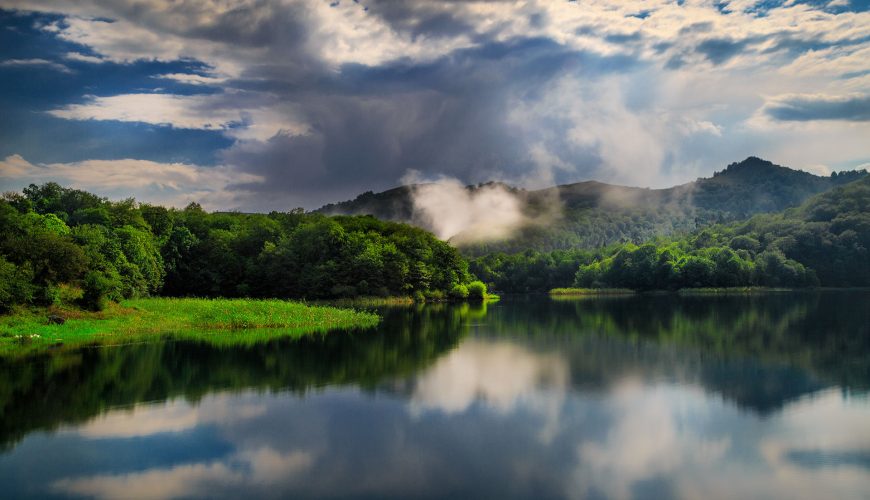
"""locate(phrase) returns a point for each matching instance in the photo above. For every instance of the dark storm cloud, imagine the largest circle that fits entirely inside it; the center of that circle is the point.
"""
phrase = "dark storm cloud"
(324, 102)
(721, 50)
(810, 107)
(447, 116)
(420, 19)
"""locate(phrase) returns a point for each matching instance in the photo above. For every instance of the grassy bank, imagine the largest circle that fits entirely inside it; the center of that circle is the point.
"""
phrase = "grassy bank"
(230, 321)
(578, 292)
(367, 302)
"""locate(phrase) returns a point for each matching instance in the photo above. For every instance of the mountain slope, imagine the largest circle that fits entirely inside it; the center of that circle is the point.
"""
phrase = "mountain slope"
(825, 241)
(594, 214)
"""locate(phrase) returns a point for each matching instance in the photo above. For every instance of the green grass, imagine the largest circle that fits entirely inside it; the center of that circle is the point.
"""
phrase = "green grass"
(222, 321)
(366, 301)
(577, 292)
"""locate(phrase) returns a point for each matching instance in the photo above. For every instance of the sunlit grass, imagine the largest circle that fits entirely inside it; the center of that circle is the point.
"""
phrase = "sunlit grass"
(369, 301)
(578, 292)
(225, 321)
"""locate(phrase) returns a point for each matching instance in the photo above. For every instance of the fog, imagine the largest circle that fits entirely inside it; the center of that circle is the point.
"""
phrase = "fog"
(450, 209)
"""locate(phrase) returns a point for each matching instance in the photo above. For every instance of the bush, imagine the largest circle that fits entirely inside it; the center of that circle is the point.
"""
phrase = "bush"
(419, 297)
(459, 291)
(15, 285)
(476, 290)
(96, 287)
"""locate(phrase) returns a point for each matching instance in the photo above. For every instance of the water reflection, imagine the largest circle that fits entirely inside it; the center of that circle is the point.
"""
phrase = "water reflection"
(705, 397)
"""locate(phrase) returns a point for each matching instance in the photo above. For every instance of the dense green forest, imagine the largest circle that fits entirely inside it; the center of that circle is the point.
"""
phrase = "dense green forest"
(593, 214)
(59, 244)
(824, 242)
(57, 241)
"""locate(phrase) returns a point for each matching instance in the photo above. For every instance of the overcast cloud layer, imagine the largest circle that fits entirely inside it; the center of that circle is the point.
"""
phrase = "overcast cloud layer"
(261, 105)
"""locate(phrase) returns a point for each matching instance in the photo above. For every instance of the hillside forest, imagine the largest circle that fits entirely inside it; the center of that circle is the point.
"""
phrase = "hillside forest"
(60, 244)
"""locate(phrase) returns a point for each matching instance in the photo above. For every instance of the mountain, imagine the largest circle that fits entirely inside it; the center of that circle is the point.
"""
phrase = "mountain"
(593, 214)
(825, 241)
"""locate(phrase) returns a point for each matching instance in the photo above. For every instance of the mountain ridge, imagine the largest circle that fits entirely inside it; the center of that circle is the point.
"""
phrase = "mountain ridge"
(740, 190)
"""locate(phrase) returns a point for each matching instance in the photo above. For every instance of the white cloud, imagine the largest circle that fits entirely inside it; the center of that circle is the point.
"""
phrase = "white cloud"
(503, 376)
(175, 184)
(30, 63)
(192, 79)
(171, 416)
(77, 56)
(448, 209)
(258, 466)
(233, 114)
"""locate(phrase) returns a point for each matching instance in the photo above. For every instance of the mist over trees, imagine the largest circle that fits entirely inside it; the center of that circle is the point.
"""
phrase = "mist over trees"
(592, 214)
(825, 242)
(59, 245)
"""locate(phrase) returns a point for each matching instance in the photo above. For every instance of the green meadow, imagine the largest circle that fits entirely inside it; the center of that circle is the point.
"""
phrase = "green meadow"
(222, 321)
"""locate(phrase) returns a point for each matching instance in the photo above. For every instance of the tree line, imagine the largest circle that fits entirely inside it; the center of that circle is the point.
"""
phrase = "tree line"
(58, 243)
(825, 242)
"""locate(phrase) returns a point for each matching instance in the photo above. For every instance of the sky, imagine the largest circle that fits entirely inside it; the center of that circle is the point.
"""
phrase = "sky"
(258, 105)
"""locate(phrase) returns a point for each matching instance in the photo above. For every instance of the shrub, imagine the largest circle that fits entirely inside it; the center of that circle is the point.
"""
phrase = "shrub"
(15, 285)
(476, 290)
(419, 297)
(96, 287)
(459, 291)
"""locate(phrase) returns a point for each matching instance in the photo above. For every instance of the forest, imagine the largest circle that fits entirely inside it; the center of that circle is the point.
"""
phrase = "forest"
(60, 244)
(63, 245)
(823, 242)
(590, 214)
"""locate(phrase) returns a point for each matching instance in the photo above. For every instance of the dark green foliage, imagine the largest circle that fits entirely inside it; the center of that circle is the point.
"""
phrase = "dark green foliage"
(594, 215)
(529, 271)
(96, 289)
(52, 235)
(824, 242)
(15, 285)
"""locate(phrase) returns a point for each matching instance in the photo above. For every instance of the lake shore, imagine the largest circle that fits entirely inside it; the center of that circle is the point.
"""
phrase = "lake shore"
(224, 321)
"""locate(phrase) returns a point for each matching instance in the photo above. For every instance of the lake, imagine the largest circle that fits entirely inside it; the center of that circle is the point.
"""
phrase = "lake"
(661, 396)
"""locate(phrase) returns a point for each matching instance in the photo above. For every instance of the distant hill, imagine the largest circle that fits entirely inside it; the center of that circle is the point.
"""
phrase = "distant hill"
(593, 214)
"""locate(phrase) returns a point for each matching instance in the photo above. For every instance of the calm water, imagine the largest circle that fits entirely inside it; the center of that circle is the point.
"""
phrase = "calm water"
(650, 397)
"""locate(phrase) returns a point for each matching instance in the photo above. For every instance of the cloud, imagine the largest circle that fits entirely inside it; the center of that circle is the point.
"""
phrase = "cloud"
(498, 374)
(647, 439)
(721, 50)
(169, 417)
(809, 107)
(449, 210)
(175, 184)
(79, 57)
(203, 112)
(192, 79)
(262, 465)
(34, 63)
(324, 102)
